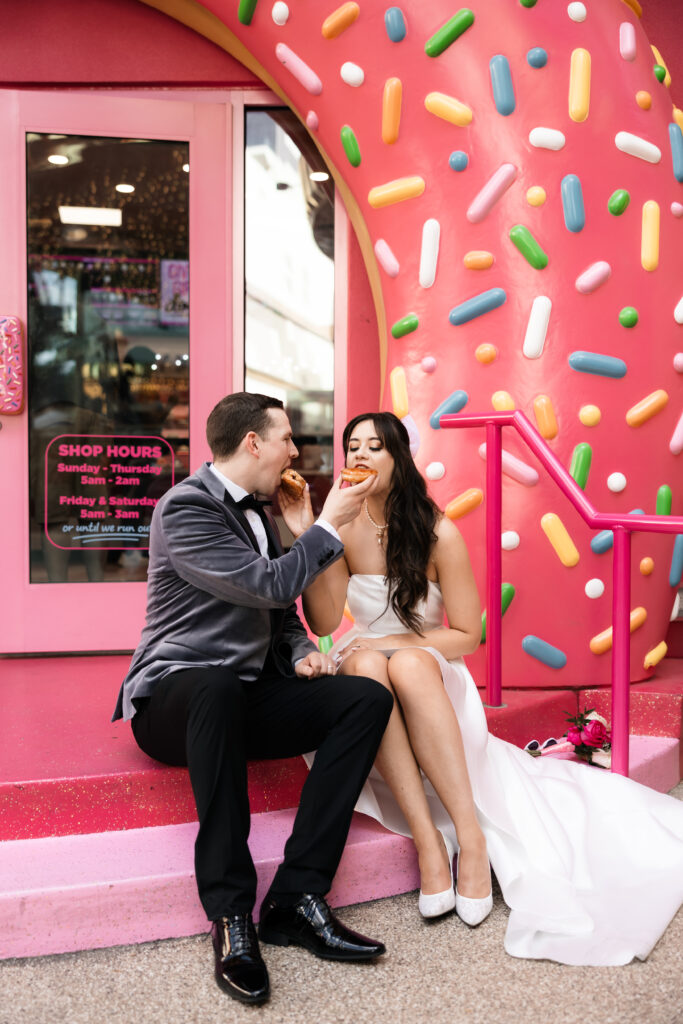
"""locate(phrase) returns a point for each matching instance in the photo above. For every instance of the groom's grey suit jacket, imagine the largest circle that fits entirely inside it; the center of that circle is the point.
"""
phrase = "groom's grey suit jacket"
(212, 598)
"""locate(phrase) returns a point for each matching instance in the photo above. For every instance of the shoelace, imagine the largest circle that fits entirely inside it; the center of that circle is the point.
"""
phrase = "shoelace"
(242, 933)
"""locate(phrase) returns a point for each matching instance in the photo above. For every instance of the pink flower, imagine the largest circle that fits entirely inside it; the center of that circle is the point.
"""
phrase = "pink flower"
(574, 735)
(593, 733)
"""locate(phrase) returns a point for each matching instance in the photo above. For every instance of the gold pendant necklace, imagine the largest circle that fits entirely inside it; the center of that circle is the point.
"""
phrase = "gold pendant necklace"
(380, 529)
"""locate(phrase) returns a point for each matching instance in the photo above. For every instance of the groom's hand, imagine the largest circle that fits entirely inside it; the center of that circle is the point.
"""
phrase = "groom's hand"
(315, 664)
(296, 512)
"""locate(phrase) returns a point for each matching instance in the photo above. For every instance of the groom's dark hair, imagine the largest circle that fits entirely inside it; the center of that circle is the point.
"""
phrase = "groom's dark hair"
(236, 415)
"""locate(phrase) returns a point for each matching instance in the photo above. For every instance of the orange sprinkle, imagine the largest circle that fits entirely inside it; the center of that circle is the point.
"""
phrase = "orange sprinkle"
(602, 642)
(643, 99)
(545, 417)
(678, 117)
(339, 20)
(647, 565)
(486, 353)
(645, 410)
(635, 7)
(464, 503)
(396, 191)
(391, 109)
(478, 259)
(654, 656)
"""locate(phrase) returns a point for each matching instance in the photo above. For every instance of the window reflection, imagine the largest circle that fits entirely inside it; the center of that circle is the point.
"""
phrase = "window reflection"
(289, 284)
(108, 341)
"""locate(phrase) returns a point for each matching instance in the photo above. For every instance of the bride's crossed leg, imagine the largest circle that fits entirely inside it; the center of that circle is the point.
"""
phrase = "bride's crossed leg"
(423, 732)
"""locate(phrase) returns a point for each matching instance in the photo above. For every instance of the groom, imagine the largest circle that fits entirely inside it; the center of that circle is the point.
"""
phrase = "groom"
(225, 672)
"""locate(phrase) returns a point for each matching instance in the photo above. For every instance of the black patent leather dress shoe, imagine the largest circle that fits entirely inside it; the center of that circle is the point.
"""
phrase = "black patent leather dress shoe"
(310, 923)
(240, 970)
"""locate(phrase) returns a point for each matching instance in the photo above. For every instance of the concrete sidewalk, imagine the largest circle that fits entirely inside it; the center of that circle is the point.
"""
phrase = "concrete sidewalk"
(432, 973)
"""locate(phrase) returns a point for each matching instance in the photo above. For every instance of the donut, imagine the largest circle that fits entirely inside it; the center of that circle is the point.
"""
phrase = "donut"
(356, 476)
(292, 483)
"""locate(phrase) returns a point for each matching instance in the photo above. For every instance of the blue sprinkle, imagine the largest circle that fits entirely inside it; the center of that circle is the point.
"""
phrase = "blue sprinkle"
(676, 141)
(602, 542)
(551, 656)
(572, 203)
(593, 362)
(501, 80)
(454, 403)
(676, 570)
(395, 24)
(476, 306)
(458, 160)
(537, 57)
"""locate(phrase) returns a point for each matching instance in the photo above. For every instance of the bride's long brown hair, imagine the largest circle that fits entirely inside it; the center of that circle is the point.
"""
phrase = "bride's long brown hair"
(411, 516)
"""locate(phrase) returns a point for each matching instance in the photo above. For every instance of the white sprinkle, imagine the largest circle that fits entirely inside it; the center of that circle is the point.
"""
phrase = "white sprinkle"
(428, 364)
(386, 258)
(429, 253)
(509, 540)
(678, 362)
(546, 138)
(678, 311)
(635, 146)
(594, 588)
(537, 327)
(577, 11)
(677, 606)
(280, 13)
(413, 434)
(435, 471)
(677, 209)
(627, 41)
(312, 120)
(676, 442)
(352, 74)
(616, 482)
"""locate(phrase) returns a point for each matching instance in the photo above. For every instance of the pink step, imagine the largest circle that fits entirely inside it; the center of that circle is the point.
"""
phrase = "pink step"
(60, 894)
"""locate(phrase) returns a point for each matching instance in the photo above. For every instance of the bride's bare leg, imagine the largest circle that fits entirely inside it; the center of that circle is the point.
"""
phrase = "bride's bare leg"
(396, 764)
(437, 744)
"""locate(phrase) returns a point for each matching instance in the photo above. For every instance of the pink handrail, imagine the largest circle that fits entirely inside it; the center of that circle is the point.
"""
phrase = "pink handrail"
(621, 525)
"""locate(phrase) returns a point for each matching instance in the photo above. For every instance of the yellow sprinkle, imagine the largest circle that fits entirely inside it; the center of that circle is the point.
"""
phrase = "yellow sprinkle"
(464, 503)
(486, 353)
(391, 110)
(502, 401)
(654, 656)
(347, 612)
(536, 196)
(545, 417)
(648, 407)
(590, 415)
(677, 115)
(602, 642)
(635, 7)
(396, 191)
(649, 239)
(448, 108)
(557, 534)
(399, 392)
(643, 99)
(660, 60)
(478, 259)
(647, 565)
(340, 20)
(579, 84)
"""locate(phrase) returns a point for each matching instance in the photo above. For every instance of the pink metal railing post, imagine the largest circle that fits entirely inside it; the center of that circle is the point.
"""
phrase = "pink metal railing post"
(621, 645)
(494, 570)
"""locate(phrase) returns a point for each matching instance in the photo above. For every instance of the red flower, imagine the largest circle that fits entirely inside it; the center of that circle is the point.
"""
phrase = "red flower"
(593, 734)
(574, 735)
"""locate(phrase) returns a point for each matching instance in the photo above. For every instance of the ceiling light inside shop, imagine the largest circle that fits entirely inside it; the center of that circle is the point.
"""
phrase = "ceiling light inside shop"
(125, 188)
(102, 216)
(186, 168)
(318, 175)
(58, 159)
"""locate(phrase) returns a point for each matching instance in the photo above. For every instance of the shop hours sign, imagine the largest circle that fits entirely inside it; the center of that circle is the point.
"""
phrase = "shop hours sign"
(100, 490)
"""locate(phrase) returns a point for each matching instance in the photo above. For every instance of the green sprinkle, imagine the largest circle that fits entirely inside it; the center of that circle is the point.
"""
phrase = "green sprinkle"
(325, 643)
(618, 201)
(581, 464)
(660, 72)
(528, 3)
(528, 246)
(405, 325)
(246, 10)
(350, 144)
(507, 592)
(664, 501)
(628, 316)
(449, 32)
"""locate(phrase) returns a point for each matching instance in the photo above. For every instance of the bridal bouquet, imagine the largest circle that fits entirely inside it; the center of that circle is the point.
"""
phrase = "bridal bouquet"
(590, 737)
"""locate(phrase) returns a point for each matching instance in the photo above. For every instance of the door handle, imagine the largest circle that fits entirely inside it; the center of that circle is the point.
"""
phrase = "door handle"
(11, 366)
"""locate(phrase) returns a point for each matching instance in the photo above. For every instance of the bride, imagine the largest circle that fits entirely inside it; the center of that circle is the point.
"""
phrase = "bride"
(589, 863)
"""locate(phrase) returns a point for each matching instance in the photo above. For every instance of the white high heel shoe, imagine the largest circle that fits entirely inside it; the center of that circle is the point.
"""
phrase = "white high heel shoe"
(438, 903)
(472, 911)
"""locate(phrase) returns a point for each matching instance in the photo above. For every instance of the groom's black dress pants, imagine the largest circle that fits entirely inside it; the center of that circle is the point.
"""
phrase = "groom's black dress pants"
(213, 722)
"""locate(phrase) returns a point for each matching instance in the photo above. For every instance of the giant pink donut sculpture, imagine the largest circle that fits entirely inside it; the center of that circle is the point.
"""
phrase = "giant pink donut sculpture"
(513, 172)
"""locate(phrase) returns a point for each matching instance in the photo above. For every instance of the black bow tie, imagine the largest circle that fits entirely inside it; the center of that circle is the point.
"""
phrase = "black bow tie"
(252, 502)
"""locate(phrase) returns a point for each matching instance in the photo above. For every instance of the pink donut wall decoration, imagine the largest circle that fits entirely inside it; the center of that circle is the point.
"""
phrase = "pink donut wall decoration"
(513, 170)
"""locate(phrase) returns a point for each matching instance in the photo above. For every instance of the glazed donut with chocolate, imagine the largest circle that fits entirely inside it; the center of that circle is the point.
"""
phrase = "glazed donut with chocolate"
(356, 476)
(292, 483)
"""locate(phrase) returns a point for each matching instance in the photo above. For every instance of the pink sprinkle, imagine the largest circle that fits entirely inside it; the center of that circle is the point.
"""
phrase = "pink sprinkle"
(515, 468)
(676, 442)
(593, 277)
(678, 362)
(312, 120)
(428, 364)
(301, 71)
(677, 209)
(627, 40)
(489, 195)
(386, 258)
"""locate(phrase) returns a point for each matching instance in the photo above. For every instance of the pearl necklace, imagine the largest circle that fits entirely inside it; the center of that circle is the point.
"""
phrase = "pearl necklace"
(380, 529)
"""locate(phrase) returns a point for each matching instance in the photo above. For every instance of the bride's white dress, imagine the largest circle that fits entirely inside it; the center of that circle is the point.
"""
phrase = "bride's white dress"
(589, 863)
